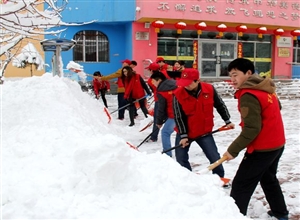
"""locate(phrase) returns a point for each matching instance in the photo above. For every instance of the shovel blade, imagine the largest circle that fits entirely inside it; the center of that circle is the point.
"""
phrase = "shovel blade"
(132, 146)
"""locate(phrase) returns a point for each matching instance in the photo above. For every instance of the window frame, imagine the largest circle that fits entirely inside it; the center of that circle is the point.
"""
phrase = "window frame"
(85, 45)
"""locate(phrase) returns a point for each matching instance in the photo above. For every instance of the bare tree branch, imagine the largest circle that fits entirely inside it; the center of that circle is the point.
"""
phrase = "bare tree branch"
(21, 19)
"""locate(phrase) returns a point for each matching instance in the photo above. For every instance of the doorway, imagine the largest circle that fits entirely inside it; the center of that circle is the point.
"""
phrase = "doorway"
(214, 57)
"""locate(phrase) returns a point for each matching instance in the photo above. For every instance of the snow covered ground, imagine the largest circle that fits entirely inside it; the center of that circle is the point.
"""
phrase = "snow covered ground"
(62, 160)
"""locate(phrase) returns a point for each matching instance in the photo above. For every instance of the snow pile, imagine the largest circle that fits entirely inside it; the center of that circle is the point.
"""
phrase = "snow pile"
(75, 67)
(61, 159)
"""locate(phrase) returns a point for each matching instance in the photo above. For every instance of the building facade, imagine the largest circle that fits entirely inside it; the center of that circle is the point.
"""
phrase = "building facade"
(211, 47)
(206, 34)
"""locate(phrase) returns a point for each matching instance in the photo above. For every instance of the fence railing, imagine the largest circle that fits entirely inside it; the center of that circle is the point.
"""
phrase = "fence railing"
(285, 89)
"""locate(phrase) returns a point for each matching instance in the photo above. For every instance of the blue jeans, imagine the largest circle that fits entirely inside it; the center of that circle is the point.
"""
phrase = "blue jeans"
(155, 129)
(166, 132)
(209, 148)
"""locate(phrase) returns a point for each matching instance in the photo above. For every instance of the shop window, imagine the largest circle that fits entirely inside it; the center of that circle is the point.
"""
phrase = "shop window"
(296, 51)
(171, 48)
(92, 46)
(248, 49)
(259, 52)
(263, 50)
(262, 67)
(185, 48)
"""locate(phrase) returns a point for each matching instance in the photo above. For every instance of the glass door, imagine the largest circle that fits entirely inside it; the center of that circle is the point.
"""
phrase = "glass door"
(214, 58)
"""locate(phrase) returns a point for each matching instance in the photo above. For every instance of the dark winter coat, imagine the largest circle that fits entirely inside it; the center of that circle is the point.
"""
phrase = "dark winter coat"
(165, 98)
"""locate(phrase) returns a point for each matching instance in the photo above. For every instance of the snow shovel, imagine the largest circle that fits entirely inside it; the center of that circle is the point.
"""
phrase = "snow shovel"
(147, 126)
(132, 146)
(136, 147)
(213, 166)
(223, 128)
(125, 106)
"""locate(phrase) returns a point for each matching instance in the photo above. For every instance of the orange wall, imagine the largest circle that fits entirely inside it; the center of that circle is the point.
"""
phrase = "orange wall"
(12, 71)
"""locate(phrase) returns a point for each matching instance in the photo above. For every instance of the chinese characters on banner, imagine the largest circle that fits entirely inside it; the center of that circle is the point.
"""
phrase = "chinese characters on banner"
(240, 50)
(269, 8)
(195, 53)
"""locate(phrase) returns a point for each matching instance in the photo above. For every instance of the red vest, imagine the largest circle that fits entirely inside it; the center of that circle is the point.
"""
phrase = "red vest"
(153, 88)
(271, 135)
(199, 111)
(134, 88)
(168, 95)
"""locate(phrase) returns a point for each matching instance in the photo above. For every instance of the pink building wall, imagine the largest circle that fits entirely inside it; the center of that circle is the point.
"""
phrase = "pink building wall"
(271, 14)
(281, 66)
(143, 49)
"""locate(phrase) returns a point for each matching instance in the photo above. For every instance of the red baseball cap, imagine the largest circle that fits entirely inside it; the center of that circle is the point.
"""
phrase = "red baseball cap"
(158, 59)
(153, 67)
(126, 61)
(188, 75)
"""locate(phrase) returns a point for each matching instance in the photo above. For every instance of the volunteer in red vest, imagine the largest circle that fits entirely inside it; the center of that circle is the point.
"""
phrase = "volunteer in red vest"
(165, 115)
(121, 101)
(193, 107)
(262, 136)
(101, 86)
(135, 88)
(155, 130)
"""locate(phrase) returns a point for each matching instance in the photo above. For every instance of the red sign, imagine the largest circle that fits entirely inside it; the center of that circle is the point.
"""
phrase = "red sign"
(195, 53)
(240, 50)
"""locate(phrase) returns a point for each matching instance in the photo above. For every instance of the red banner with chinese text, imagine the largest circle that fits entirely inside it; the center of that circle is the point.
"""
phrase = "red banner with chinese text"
(195, 53)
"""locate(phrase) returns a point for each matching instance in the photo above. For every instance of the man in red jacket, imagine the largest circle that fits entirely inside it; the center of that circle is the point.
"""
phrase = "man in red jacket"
(155, 130)
(262, 136)
(165, 115)
(193, 106)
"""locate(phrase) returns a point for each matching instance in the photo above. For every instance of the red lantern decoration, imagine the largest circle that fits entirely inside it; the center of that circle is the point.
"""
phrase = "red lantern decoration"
(180, 26)
(278, 32)
(221, 28)
(241, 30)
(200, 27)
(157, 25)
(295, 34)
(261, 31)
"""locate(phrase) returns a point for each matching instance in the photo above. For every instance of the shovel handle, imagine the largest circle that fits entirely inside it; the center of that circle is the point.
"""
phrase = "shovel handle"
(217, 163)
(172, 148)
(223, 128)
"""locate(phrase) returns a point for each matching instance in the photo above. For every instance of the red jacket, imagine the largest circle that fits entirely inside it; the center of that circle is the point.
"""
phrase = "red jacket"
(134, 88)
(199, 111)
(99, 85)
(271, 135)
(153, 88)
